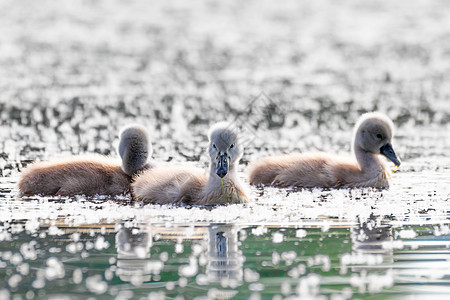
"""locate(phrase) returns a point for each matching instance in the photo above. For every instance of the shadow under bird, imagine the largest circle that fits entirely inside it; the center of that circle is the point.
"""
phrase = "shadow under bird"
(372, 138)
(180, 184)
(90, 174)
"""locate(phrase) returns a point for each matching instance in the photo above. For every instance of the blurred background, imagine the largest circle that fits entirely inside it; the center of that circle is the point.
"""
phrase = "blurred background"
(73, 72)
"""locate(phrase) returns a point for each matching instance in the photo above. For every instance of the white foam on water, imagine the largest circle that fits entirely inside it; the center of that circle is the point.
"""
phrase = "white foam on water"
(190, 269)
(53, 230)
(298, 271)
(100, 243)
(277, 237)
(153, 267)
(77, 276)
(308, 286)
(24, 269)
(183, 282)
(276, 258)
(179, 248)
(372, 282)
(96, 285)
(407, 234)
(250, 275)
(301, 233)
(289, 257)
(55, 269)
(14, 280)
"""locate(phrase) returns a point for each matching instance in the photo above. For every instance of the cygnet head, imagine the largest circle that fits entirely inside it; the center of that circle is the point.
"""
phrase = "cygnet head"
(134, 149)
(374, 134)
(224, 148)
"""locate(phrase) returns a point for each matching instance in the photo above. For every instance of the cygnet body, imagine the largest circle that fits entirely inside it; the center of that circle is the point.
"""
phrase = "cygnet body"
(90, 174)
(372, 138)
(190, 185)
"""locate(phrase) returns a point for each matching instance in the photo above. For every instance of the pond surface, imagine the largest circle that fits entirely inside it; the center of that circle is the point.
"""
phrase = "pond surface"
(337, 244)
(294, 77)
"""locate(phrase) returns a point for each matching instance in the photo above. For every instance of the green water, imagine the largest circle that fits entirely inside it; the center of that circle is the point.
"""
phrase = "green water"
(222, 261)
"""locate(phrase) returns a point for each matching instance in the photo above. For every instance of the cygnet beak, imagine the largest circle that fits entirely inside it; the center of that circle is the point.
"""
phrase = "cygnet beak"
(389, 152)
(222, 165)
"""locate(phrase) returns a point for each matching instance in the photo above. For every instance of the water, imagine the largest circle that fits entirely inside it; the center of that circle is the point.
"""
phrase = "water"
(363, 260)
(295, 77)
(336, 244)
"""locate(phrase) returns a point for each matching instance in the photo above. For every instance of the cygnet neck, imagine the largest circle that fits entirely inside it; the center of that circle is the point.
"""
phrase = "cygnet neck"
(368, 162)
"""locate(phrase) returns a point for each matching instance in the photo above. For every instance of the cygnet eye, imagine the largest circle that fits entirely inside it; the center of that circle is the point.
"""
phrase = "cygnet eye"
(232, 146)
(379, 136)
(214, 146)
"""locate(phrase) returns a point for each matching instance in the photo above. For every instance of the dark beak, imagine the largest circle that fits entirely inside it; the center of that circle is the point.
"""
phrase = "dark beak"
(387, 151)
(222, 165)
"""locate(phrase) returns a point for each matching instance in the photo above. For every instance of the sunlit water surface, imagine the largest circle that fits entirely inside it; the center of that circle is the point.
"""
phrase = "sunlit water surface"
(340, 243)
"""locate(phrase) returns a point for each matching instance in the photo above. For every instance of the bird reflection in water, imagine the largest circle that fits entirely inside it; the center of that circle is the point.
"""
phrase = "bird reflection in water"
(369, 239)
(225, 260)
(133, 250)
(417, 264)
(371, 261)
